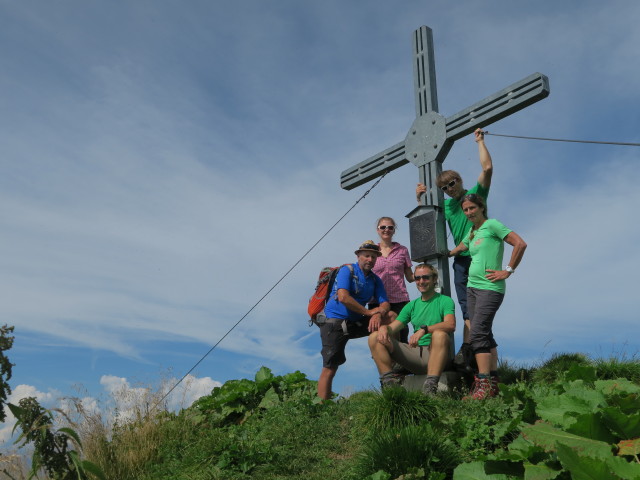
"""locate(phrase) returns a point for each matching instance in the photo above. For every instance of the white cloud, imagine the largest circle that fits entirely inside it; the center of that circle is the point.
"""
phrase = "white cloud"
(123, 402)
(46, 399)
(157, 182)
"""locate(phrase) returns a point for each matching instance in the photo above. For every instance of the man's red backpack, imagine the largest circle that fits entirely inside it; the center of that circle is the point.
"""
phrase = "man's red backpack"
(324, 287)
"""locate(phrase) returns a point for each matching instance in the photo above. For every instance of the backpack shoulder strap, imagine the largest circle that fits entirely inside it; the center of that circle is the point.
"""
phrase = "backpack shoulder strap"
(353, 277)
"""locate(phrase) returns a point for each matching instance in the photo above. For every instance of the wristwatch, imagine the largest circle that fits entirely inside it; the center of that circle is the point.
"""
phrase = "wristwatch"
(425, 328)
(509, 269)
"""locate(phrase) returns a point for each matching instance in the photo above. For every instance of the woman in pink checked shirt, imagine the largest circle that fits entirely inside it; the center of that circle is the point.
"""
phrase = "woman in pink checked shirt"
(393, 267)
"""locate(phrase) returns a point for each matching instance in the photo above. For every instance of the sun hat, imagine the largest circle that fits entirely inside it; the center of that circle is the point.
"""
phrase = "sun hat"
(368, 246)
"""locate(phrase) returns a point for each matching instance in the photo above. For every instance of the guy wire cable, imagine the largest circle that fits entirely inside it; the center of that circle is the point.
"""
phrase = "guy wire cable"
(486, 132)
(269, 291)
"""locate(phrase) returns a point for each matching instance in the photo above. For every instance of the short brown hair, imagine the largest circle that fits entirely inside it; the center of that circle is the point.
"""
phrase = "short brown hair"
(476, 200)
(434, 270)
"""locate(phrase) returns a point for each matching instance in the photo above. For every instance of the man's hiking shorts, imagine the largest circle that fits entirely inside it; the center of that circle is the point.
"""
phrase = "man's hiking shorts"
(335, 338)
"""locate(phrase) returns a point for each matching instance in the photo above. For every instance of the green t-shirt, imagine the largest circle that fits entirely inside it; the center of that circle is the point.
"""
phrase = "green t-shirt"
(458, 222)
(418, 313)
(486, 249)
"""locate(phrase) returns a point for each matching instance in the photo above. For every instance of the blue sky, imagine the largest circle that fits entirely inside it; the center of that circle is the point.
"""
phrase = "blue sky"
(164, 164)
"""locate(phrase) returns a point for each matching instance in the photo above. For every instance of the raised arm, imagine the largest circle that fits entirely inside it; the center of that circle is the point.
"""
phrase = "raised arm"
(485, 160)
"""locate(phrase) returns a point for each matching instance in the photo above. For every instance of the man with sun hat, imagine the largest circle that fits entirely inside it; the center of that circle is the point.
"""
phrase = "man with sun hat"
(346, 313)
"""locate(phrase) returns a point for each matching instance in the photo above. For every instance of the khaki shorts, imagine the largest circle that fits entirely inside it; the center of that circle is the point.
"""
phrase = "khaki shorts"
(414, 359)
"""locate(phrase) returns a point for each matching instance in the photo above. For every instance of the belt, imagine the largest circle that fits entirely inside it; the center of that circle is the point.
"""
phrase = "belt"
(345, 329)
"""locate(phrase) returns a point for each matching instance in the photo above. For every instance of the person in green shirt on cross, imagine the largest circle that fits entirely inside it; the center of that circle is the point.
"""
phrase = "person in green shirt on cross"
(450, 182)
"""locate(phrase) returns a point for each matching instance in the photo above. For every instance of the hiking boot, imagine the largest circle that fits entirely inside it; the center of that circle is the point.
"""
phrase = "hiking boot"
(465, 359)
(458, 360)
(495, 388)
(391, 379)
(430, 386)
(482, 389)
(399, 369)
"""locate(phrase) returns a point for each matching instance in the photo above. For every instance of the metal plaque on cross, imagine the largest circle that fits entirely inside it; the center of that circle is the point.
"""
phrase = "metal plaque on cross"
(428, 142)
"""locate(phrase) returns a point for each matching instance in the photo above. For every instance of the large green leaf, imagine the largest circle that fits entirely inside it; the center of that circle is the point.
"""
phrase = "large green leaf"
(541, 471)
(561, 410)
(626, 426)
(581, 372)
(585, 467)
(549, 437)
(474, 471)
(629, 447)
(270, 399)
(617, 386)
(497, 467)
(592, 426)
(628, 403)
(523, 449)
(263, 376)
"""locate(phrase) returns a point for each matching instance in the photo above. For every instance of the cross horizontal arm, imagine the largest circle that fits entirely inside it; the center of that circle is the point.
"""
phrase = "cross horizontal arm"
(375, 166)
(497, 106)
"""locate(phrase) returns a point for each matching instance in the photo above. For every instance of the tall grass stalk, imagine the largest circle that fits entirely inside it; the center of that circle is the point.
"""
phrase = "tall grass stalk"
(610, 368)
(123, 434)
(13, 467)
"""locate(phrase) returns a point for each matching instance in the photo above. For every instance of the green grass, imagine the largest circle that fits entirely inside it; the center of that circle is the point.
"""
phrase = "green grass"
(274, 428)
(618, 368)
(559, 363)
(413, 448)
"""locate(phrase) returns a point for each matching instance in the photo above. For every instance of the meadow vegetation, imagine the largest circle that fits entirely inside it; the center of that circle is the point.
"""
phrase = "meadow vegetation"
(570, 417)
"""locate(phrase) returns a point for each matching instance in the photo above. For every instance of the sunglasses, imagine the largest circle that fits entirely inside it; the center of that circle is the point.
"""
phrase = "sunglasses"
(387, 227)
(449, 185)
(423, 277)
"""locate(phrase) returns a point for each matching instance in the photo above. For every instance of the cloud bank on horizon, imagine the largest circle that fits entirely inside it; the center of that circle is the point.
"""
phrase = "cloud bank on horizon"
(157, 178)
(119, 401)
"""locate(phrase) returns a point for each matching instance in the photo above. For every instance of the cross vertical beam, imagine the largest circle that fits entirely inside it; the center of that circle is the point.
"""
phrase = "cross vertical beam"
(424, 72)
(427, 223)
(428, 142)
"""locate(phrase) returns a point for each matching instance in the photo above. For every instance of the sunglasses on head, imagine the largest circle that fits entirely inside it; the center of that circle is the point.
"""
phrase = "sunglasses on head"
(423, 277)
(449, 185)
(387, 227)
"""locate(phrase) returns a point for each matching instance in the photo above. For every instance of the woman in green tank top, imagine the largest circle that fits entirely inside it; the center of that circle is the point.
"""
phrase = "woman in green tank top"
(486, 286)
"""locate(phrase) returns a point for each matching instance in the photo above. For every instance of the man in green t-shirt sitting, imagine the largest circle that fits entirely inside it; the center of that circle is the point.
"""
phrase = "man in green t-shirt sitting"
(450, 182)
(433, 318)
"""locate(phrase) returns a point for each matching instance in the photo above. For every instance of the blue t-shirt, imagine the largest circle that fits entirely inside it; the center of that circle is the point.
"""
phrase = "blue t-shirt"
(361, 288)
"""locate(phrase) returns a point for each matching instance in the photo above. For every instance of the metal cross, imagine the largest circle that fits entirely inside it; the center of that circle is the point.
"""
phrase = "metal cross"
(428, 142)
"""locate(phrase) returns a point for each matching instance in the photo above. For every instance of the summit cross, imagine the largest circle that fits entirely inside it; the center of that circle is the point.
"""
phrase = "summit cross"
(428, 142)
